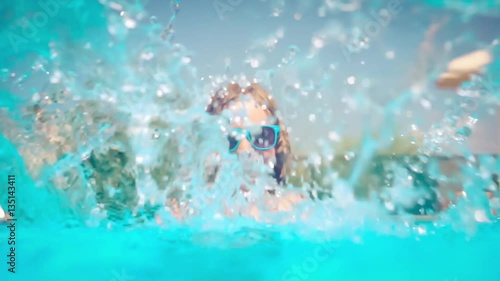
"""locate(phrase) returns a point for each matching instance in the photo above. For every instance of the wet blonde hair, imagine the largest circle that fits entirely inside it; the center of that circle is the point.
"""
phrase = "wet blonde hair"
(223, 97)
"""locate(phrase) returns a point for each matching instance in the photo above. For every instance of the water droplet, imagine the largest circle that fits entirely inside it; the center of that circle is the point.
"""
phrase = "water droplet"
(147, 55)
(254, 63)
(333, 136)
(350, 155)
(318, 43)
(426, 103)
(276, 12)
(130, 23)
(390, 206)
(390, 55)
(139, 159)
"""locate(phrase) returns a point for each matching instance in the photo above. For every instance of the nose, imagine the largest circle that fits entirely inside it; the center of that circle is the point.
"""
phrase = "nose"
(244, 146)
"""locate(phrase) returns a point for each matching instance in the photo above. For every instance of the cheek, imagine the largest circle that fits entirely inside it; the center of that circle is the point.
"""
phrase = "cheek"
(268, 154)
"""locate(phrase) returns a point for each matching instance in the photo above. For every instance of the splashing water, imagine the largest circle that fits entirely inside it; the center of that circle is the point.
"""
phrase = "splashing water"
(104, 123)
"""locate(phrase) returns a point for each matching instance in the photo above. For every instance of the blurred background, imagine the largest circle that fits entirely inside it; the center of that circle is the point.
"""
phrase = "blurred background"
(325, 38)
(332, 65)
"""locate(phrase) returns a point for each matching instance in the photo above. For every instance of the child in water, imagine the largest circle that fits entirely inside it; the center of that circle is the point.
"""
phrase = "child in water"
(255, 130)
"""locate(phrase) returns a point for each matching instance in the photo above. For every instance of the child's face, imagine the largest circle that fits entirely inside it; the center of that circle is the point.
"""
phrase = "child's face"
(249, 115)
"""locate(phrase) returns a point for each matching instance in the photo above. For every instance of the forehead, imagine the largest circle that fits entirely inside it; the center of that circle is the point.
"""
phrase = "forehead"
(246, 111)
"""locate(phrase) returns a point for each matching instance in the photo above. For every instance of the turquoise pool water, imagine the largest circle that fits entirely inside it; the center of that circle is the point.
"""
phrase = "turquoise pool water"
(83, 77)
(91, 254)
